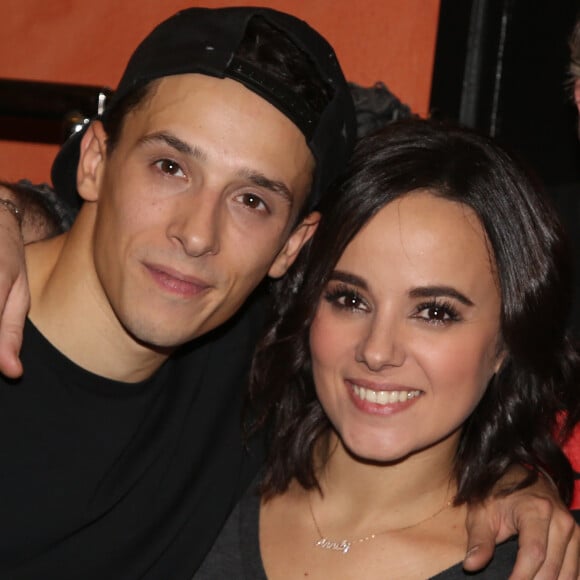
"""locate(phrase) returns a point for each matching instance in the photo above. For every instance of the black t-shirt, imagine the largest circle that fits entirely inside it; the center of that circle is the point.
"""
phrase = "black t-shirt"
(106, 480)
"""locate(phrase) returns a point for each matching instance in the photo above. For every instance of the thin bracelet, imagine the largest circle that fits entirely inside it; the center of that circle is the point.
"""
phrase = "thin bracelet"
(13, 209)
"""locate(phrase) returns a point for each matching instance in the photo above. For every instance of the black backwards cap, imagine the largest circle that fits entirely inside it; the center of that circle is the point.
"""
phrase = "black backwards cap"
(205, 41)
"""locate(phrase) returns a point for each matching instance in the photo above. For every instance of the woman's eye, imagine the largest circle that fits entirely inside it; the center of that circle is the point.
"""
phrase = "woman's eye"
(169, 167)
(350, 301)
(346, 300)
(437, 313)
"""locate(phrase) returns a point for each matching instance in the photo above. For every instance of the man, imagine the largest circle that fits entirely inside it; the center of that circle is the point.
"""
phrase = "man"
(120, 445)
(195, 188)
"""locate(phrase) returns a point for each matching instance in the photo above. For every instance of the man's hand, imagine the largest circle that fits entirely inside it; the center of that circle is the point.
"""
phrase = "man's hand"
(14, 295)
(549, 539)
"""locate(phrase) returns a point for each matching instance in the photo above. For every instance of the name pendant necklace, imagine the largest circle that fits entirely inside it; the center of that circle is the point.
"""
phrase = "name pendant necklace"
(344, 545)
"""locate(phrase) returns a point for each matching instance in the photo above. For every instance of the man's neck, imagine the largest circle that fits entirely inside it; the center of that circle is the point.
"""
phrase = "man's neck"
(70, 311)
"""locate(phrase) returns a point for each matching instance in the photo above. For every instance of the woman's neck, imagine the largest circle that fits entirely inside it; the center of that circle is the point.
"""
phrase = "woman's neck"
(393, 495)
(394, 519)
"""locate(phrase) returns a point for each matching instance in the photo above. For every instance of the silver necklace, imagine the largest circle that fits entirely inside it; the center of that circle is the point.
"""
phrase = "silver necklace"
(345, 545)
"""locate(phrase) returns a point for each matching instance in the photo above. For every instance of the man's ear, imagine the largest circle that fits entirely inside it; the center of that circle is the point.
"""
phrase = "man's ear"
(93, 152)
(577, 94)
(301, 234)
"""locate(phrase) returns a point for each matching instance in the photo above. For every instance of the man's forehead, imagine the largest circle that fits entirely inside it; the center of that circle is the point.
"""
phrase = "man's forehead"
(185, 89)
(221, 122)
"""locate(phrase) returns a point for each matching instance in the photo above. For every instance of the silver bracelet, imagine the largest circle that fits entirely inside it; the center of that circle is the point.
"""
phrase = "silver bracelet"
(13, 209)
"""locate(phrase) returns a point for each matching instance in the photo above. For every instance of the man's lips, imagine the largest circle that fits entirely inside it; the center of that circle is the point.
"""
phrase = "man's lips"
(175, 281)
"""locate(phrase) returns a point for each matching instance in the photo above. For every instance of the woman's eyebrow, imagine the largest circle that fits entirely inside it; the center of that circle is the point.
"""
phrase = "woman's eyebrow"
(434, 291)
(347, 278)
(419, 292)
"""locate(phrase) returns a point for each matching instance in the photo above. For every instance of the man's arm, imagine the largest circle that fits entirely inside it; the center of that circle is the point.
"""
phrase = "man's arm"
(41, 212)
(549, 539)
(14, 293)
(27, 213)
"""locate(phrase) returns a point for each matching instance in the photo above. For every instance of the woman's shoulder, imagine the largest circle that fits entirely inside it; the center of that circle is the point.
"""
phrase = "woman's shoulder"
(236, 551)
(500, 567)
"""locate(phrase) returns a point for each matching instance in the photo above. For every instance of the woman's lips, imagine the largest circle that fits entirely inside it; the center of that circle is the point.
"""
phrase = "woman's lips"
(386, 399)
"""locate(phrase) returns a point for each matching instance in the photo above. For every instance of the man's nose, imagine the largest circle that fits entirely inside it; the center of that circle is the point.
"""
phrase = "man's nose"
(197, 224)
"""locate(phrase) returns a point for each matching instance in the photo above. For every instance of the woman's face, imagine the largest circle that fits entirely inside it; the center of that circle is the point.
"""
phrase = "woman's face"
(406, 334)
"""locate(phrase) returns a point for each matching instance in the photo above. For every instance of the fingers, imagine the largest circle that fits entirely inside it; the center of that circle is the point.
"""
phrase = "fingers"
(549, 539)
(558, 558)
(10, 364)
(478, 554)
(549, 543)
(533, 520)
(482, 532)
(571, 565)
(14, 299)
(16, 304)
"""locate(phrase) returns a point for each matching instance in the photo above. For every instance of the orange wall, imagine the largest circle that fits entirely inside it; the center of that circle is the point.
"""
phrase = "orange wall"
(84, 41)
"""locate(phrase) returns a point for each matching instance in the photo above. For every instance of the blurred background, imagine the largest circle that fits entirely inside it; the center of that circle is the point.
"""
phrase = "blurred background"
(84, 42)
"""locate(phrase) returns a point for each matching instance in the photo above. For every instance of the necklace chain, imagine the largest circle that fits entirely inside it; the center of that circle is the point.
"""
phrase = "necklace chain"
(345, 545)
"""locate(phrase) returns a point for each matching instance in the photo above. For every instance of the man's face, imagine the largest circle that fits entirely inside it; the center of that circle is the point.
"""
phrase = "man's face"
(194, 206)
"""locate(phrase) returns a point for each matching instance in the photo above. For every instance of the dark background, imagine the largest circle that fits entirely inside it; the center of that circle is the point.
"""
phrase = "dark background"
(501, 66)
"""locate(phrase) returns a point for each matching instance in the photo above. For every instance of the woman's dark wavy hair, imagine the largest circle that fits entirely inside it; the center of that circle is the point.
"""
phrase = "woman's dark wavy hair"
(532, 403)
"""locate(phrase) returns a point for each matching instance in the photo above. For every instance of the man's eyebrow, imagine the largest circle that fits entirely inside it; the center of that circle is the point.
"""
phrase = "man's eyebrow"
(256, 177)
(175, 143)
(260, 180)
(434, 291)
(347, 278)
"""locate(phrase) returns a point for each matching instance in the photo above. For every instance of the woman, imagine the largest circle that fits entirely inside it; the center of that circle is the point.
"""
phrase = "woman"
(422, 352)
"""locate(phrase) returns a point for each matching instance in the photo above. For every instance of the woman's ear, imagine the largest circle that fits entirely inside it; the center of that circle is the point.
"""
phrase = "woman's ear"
(93, 154)
(500, 360)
